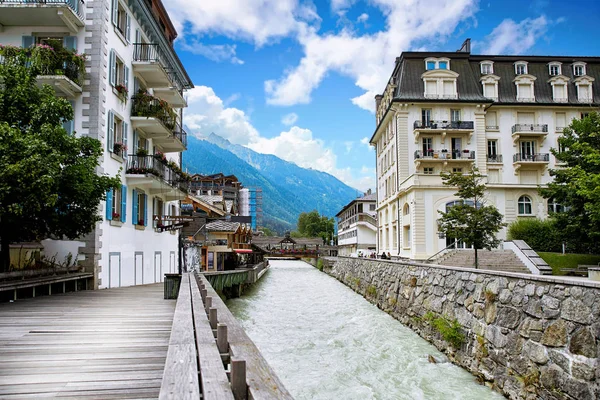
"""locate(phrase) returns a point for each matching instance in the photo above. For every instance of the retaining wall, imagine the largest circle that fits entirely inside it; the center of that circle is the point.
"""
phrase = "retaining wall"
(528, 337)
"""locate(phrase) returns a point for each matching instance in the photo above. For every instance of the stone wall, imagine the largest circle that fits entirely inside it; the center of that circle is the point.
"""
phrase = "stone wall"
(528, 337)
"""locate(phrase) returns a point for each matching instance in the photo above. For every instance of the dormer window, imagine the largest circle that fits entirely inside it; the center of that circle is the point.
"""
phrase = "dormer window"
(584, 89)
(437, 63)
(521, 68)
(579, 69)
(430, 65)
(490, 86)
(487, 68)
(559, 88)
(443, 65)
(524, 84)
(554, 69)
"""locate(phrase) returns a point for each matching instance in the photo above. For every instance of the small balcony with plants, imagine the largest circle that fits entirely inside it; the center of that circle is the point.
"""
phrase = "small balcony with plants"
(67, 13)
(177, 142)
(150, 64)
(157, 175)
(153, 116)
(443, 128)
(52, 63)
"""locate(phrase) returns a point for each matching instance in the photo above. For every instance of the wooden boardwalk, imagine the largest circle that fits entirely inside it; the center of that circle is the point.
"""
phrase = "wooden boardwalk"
(102, 344)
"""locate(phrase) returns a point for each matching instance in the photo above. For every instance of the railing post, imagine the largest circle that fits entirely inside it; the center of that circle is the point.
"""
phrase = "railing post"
(203, 293)
(222, 343)
(238, 379)
(212, 317)
(207, 304)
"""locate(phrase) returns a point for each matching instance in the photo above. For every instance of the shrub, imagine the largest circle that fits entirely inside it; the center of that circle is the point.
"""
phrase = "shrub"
(372, 290)
(450, 331)
(541, 235)
(320, 264)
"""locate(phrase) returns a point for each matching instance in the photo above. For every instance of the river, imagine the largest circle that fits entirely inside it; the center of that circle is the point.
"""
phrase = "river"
(324, 341)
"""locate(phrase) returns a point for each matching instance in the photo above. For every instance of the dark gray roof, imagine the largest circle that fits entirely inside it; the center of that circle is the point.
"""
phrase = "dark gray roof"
(367, 198)
(222, 226)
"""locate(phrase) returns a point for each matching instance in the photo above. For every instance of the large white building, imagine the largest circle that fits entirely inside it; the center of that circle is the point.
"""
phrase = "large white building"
(443, 111)
(357, 226)
(131, 99)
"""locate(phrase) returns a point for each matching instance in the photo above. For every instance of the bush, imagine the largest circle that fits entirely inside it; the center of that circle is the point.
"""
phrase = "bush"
(450, 331)
(540, 235)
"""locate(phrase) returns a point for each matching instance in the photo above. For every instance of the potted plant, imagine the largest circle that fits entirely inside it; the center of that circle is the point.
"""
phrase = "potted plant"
(119, 148)
(141, 152)
(140, 222)
(116, 216)
(122, 90)
(160, 156)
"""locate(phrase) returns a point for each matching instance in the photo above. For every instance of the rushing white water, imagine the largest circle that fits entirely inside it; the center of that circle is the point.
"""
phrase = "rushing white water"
(326, 342)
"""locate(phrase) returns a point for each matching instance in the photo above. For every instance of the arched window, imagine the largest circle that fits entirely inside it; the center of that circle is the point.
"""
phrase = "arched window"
(524, 205)
(555, 207)
(406, 209)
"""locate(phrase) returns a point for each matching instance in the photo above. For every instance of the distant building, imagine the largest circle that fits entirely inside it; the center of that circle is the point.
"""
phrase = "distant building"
(357, 225)
(450, 111)
(251, 204)
(222, 189)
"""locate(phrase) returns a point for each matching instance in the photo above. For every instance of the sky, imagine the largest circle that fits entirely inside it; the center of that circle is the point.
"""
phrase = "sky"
(297, 78)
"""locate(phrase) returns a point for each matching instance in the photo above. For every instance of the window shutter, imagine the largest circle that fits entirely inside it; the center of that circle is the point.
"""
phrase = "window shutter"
(70, 42)
(138, 36)
(123, 203)
(69, 126)
(109, 200)
(135, 142)
(115, 12)
(126, 77)
(127, 27)
(134, 207)
(145, 210)
(125, 135)
(28, 41)
(112, 68)
(111, 132)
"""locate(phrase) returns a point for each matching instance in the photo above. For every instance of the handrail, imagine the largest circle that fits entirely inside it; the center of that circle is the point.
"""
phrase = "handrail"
(444, 249)
(72, 4)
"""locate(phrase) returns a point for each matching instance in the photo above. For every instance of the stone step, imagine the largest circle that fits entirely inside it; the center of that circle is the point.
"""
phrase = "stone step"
(495, 260)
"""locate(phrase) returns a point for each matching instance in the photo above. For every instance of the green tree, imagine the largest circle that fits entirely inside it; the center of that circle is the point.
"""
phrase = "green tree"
(48, 181)
(312, 224)
(471, 220)
(266, 231)
(576, 184)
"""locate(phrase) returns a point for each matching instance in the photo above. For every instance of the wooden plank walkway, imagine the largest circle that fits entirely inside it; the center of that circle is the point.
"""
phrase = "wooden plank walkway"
(100, 344)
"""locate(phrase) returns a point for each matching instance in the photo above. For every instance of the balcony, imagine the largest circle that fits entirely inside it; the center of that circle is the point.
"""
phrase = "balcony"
(152, 173)
(153, 116)
(494, 158)
(69, 13)
(150, 65)
(539, 160)
(443, 128)
(444, 157)
(62, 69)
(529, 130)
(177, 142)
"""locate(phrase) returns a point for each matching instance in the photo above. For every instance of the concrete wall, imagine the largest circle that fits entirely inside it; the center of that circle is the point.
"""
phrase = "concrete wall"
(528, 337)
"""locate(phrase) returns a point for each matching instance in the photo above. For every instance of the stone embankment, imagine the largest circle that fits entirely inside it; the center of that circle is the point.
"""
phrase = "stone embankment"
(528, 337)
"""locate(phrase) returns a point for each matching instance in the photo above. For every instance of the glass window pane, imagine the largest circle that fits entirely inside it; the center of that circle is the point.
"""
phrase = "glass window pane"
(443, 65)
(430, 65)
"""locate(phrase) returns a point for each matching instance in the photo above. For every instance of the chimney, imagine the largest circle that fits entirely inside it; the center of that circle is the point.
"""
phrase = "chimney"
(368, 192)
(465, 47)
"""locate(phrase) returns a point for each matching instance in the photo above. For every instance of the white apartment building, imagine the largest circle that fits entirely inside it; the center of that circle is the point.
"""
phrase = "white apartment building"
(131, 99)
(357, 226)
(443, 111)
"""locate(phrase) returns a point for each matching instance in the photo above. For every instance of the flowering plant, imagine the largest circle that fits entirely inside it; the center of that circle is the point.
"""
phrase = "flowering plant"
(122, 89)
(116, 215)
(119, 147)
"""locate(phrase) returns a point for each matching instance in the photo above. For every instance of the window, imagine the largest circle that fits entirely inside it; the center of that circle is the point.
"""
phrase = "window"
(428, 170)
(437, 63)
(428, 147)
(561, 121)
(430, 65)
(524, 205)
(443, 65)
(69, 126)
(487, 68)
(157, 211)
(527, 150)
(521, 68)
(426, 116)
(118, 75)
(117, 135)
(406, 209)
(555, 207)
(449, 91)
(454, 115)
(431, 89)
(491, 120)
(371, 207)
(140, 208)
(579, 69)
(554, 69)
(584, 92)
(489, 90)
(559, 91)
(116, 204)
(492, 150)
(121, 19)
(458, 170)
(584, 115)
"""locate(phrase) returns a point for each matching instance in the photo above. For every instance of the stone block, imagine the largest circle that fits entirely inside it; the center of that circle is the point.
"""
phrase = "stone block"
(560, 358)
(508, 317)
(534, 308)
(490, 313)
(495, 336)
(583, 343)
(536, 352)
(583, 371)
(505, 296)
(555, 335)
(576, 310)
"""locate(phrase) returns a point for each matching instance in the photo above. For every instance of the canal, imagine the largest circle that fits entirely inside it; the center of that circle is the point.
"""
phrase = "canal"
(326, 342)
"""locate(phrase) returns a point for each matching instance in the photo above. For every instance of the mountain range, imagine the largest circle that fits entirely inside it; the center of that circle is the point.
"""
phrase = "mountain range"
(288, 189)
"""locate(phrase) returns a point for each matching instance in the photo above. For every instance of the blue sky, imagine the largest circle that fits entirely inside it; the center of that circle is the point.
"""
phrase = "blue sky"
(297, 78)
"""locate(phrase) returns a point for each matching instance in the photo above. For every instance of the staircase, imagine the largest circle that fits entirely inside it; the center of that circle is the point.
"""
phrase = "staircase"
(495, 260)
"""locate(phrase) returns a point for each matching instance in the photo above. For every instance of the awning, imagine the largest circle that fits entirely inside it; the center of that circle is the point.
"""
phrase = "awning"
(245, 251)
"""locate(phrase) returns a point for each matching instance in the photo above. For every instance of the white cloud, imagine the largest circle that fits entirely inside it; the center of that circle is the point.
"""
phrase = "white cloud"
(349, 145)
(207, 113)
(367, 59)
(362, 17)
(214, 52)
(365, 141)
(341, 5)
(511, 37)
(289, 119)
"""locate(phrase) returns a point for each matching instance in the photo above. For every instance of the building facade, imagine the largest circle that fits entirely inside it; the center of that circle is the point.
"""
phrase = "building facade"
(251, 205)
(451, 111)
(357, 226)
(130, 97)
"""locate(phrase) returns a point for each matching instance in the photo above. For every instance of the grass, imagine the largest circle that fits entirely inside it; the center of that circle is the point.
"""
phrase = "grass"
(558, 261)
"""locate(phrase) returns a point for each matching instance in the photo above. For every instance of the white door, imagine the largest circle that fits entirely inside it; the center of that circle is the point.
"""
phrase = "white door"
(172, 262)
(114, 270)
(157, 267)
(139, 268)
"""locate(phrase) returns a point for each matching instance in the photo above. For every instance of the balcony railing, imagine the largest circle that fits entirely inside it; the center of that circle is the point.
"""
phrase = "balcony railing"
(540, 157)
(367, 218)
(156, 166)
(444, 125)
(76, 5)
(526, 99)
(152, 53)
(45, 61)
(533, 128)
(445, 155)
(180, 134)
(145, 105)
(494, 158)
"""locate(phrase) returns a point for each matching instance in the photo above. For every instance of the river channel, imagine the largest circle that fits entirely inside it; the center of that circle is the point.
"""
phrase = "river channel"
(325, 341)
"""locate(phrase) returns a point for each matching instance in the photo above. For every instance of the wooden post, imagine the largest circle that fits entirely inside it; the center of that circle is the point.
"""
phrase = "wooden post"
(207, 304)
(212, 317)
(222, 343)
(238, 379)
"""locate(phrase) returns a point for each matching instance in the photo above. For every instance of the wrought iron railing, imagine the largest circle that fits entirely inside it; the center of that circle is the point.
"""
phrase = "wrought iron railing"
(443, 125)
(156, 166)
(180, 134)
(43, 67)
(145, 105)
(494, 158)
(76, 5)
(152, 53)
(539, 128)
(445, 155)
(531, 157)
